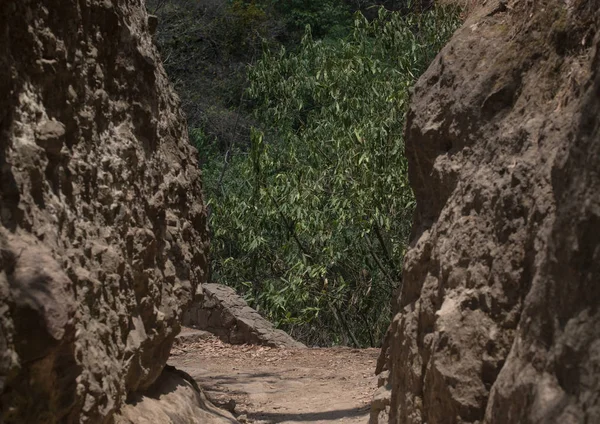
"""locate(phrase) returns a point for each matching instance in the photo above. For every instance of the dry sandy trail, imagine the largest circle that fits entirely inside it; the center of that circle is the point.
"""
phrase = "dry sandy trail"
(268, 385)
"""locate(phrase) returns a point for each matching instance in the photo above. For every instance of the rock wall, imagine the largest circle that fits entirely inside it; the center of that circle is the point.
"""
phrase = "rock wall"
(498, 317)
(103, 230)
(225, 314)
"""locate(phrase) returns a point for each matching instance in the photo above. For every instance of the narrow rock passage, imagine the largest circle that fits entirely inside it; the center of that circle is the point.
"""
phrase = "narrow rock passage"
(269, 385)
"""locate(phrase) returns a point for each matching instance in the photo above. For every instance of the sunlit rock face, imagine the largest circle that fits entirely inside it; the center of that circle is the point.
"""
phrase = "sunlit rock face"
(498, 317)
(103, 230)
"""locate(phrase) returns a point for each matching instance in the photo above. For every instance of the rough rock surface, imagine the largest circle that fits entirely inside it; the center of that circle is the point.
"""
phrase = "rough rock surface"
(103, 230)
(228, 316)
(498, 318)
(191, 335)
(174, 398)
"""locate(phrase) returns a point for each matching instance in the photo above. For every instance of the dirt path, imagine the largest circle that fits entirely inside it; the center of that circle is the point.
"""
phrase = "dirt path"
(283, 385)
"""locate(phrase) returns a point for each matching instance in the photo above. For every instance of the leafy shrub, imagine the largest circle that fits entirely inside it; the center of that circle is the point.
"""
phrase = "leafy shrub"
(325, 17)
(311, 222)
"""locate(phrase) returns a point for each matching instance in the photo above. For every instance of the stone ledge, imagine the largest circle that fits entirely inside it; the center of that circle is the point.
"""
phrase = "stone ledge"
(225, 314)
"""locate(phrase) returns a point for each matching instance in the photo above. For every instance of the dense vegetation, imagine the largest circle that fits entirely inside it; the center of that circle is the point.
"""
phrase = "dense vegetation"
(306, 178)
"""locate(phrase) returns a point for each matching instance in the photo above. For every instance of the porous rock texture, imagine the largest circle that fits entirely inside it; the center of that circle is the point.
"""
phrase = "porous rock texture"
(222, 312)
(173, 398)
(103, 229)
(498, 317)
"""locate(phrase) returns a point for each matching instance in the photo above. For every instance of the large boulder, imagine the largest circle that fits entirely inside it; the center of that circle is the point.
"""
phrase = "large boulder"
(222, 312)
(498, 317)
(103, 229)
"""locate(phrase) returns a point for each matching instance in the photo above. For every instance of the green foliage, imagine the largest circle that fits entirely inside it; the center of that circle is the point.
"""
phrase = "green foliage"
(325, 17)
(205, 46)
(312, 221)
(243, 26)
(310, 215)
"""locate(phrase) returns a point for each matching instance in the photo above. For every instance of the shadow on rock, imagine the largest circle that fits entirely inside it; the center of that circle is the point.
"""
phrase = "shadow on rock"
(174, 398)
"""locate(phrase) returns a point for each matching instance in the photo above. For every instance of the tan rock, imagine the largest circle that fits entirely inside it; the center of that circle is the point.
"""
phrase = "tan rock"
(498, 316)
(222, 312)
(173, 399)
(94, 157)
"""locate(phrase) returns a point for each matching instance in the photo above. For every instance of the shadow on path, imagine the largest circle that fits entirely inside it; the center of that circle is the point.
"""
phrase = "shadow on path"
(276, 417)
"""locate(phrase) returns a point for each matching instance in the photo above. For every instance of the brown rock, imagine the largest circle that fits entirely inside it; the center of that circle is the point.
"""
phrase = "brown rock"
(97, 184)
(222, 312)
(191, 335)
(174, 398)
(498, 316)
(50, 136)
